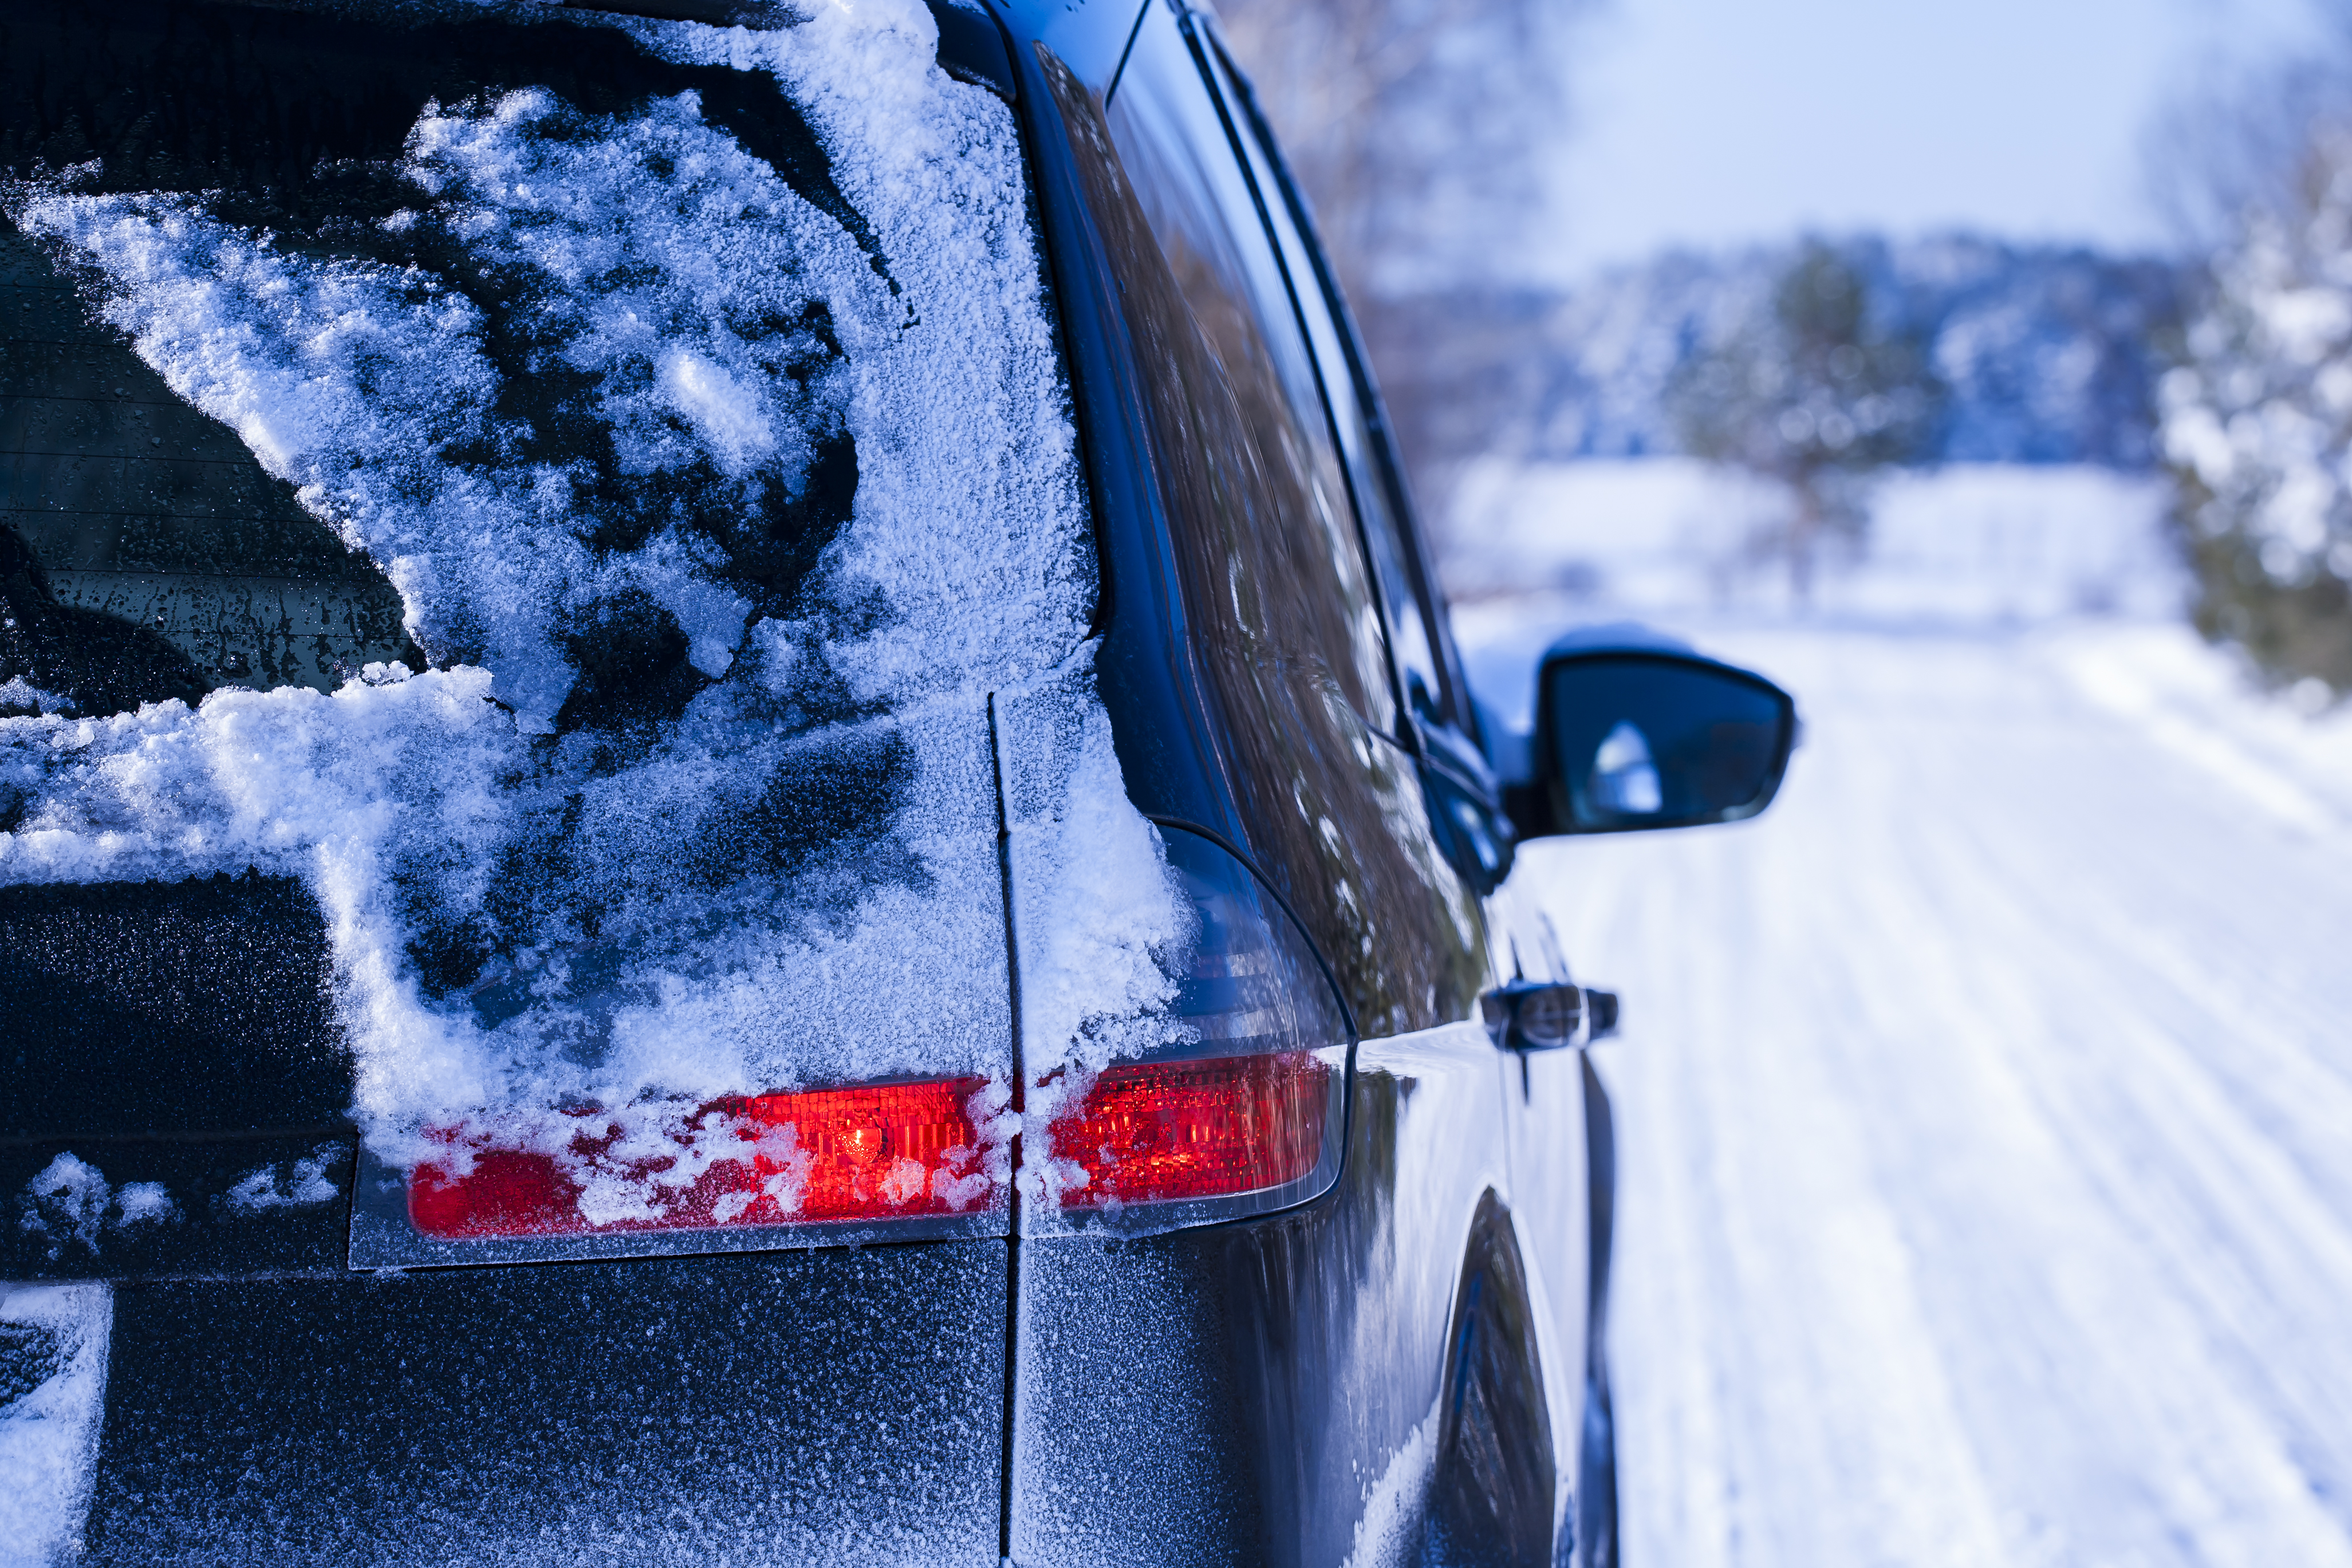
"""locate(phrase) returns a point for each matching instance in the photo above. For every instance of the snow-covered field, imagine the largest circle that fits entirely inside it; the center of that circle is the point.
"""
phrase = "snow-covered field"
(1973, 542)
(1986, 1108)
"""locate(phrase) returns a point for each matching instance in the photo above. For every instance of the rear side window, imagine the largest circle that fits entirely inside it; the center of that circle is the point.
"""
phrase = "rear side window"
(1258, 478)
(574, 491)
(144, 553)
(1419, 663)
(1280, 607)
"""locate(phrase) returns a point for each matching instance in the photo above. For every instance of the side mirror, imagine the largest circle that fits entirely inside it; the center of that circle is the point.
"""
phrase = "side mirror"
(1648, 733)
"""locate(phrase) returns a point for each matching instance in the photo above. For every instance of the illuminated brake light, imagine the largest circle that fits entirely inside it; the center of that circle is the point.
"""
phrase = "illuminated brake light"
(882, 1151)
(1213, 1127)
(1256, 1124)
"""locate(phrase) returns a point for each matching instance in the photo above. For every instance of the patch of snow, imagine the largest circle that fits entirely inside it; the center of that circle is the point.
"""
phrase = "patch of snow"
(292, 1183)
(788, 876)
(142, 1203)
(1098, 916)
(1388, 1532)
(49, 1434)
(18, 693)
(1092, 896)
(70, 1201)
(66, 1202)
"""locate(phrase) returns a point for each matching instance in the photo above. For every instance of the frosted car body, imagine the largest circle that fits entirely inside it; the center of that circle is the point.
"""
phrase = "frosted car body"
(735, 824)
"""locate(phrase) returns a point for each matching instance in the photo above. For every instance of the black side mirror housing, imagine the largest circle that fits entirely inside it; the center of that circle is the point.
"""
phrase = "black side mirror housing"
(1634, 731)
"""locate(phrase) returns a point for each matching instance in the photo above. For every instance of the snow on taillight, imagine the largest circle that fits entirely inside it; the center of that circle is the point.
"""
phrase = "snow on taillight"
(1238, 1107)
(1158, 1131)
(1229, 1100)
(871, 1153)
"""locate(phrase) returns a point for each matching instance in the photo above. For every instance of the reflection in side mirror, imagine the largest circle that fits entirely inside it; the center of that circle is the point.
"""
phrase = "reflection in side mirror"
(1642, 737)
(1624, 779)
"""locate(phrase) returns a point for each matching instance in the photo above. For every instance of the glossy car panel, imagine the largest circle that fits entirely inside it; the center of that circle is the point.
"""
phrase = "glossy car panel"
(1494, 1496)
(1558, 1227)
(1635, 730)
(1641, 740)
(1239, 428)
(1266, 1392)
(1373, 484)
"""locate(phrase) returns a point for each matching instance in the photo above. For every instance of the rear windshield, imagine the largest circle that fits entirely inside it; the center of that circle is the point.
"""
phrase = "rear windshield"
(576, 491)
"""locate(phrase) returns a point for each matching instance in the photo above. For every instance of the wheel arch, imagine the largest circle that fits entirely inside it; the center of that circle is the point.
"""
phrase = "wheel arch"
(1493, 1492)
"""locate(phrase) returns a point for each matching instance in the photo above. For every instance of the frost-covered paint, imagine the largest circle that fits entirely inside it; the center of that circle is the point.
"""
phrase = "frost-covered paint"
(1329, 1327)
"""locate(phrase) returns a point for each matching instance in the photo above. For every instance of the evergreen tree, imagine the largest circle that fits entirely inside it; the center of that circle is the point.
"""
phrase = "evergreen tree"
(1816, 391)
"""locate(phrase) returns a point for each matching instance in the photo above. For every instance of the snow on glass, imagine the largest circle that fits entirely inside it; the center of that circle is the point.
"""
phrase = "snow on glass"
(72, 1200)
(788, 879)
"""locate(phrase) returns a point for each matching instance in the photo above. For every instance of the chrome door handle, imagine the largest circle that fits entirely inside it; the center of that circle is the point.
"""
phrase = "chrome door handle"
(1532, 1015)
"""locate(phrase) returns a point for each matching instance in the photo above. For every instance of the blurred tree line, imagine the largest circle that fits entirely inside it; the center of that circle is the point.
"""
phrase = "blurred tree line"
(1818, 366)
(1816, 393)
(2256, 413)
(1419, 130)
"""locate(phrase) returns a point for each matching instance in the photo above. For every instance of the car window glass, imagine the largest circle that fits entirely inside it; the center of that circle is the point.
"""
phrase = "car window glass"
(1277, 613)
(1275, 501)
(144, 554)
(1409, 627)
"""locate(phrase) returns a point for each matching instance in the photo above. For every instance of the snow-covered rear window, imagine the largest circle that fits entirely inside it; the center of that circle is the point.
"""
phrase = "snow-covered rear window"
(571, 489)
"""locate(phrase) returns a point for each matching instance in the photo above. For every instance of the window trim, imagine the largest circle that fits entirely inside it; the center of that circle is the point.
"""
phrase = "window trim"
(1200, 30)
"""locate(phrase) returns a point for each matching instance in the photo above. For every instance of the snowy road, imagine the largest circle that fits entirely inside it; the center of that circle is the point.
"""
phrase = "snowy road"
(1986, 1110)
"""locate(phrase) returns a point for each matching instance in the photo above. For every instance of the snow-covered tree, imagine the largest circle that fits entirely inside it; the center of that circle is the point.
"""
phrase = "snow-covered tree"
(2257, 421)
(1816, 391)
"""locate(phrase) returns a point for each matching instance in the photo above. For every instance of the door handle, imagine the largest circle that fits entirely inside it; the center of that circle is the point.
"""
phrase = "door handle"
(1534, 1015)
(1601, 1014)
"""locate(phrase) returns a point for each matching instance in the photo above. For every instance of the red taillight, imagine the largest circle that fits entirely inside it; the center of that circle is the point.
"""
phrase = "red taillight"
(1144, 1132)
(1156, 1131)
(867, 1153)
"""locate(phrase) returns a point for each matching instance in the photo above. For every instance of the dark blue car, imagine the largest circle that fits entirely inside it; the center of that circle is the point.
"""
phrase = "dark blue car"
(737, 824)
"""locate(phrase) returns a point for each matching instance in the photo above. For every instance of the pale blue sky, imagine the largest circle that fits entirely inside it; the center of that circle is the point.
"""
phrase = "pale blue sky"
(1717, 121)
